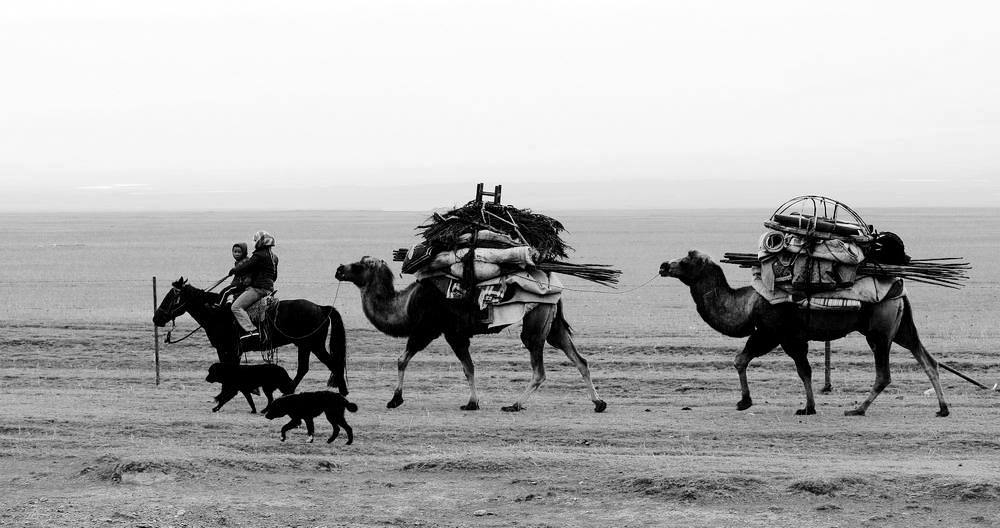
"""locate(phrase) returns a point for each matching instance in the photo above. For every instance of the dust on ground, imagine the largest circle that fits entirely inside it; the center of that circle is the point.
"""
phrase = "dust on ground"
(87, 439)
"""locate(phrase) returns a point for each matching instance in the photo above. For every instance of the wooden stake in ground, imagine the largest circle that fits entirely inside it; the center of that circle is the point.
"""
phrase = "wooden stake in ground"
(156, 337)
(827, 386)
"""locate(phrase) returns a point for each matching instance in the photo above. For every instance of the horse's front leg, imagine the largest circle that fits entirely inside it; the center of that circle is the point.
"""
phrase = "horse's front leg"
(758, 345)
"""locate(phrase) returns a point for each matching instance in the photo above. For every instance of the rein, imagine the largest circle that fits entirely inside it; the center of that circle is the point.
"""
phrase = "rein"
(167, 340)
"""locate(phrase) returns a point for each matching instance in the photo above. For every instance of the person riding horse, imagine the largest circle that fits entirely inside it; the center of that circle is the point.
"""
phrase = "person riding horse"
(262, 269)
(240, 280)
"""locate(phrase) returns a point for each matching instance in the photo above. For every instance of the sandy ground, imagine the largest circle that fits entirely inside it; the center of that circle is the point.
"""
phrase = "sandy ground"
(87, 439)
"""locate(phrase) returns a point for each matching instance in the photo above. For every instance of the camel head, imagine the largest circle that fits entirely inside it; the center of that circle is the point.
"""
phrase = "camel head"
(364, 272)
(689, 268)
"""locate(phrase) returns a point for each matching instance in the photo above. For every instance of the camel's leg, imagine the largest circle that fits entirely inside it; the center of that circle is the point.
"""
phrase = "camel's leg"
(460, 344)
(827, 386)
(560, 338)
(880, 349)
(908, 338)
(537, 324)
(414, 344)
(798, 351)
(757, 345)
(303, 367)
(883, 325)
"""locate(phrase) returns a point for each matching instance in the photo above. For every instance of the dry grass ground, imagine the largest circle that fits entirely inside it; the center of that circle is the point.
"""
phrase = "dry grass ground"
(87, 439)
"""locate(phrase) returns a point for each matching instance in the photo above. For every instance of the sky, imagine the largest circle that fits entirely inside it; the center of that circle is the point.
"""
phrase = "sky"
(374, 104)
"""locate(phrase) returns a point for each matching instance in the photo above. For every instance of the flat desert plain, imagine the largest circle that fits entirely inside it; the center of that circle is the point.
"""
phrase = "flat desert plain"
(88, 439)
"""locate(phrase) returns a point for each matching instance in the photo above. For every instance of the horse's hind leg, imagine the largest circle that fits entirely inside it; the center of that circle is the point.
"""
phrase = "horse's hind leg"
(537, 324)
(908, 338)
(414, 344)
(757, 345)
(560, 338)
(253, 408)
(460, 344)
(303, 368)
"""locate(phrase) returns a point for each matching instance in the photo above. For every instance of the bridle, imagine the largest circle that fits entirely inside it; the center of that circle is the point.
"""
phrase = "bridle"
(175, 310)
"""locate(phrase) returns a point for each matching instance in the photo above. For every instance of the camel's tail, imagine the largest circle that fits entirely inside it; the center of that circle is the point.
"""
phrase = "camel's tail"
(907, 335)
(338, 352)
(561, 317)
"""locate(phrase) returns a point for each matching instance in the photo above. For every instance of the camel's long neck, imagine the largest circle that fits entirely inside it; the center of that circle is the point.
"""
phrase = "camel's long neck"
(724, 309)
(385, 307)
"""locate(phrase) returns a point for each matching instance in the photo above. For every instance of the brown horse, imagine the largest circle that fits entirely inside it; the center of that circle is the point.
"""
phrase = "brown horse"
(744, 312)
(422, 314)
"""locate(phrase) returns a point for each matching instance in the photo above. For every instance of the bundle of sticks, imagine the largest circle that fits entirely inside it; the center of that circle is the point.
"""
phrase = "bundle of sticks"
(450, 231)
(949, 272)
(536, 230)
(599, 273)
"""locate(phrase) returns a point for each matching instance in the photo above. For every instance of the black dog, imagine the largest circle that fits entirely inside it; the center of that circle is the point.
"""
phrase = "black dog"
(308, 405)
(247, 379)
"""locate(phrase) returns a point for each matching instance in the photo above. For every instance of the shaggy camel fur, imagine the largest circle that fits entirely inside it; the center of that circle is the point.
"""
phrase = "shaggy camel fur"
(422, 314)
(743, 312)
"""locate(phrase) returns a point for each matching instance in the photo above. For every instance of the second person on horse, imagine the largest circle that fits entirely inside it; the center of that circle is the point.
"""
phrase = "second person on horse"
(262, 270)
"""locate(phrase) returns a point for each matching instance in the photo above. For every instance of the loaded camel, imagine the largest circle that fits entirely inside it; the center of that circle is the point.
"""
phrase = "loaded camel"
(422, 314)
(743, 312)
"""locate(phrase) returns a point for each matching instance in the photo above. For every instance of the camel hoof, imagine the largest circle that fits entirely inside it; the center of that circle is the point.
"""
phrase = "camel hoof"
(599, 406)
(855, 412)
(512, 408)
(471, 406)
(802, 412)
(943, 412)
(744, 404)
(826, 389)
(396, 401)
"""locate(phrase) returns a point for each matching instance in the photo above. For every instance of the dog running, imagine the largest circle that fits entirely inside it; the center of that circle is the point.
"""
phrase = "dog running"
(248, 379)
(308, 405)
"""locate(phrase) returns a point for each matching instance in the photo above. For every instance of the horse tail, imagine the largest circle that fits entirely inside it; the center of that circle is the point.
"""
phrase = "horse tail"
(561, 317)
(338, 351)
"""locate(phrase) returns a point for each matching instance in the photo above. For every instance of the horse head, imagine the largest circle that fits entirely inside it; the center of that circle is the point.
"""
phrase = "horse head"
(364, 272)
(173, 305)
(687, 269)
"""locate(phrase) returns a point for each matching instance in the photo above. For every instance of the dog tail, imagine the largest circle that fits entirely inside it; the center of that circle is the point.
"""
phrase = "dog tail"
(351, 407)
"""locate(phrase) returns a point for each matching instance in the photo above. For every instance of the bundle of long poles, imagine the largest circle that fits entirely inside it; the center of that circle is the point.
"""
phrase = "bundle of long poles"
(599, 273)
(949, 272)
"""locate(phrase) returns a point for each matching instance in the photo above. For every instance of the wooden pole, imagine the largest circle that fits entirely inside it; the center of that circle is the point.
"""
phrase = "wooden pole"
(156, 337)
(827, 386)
